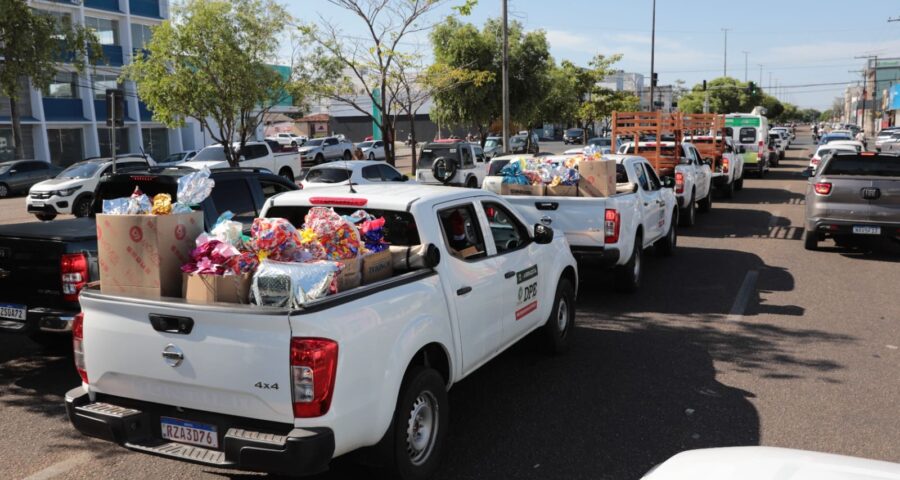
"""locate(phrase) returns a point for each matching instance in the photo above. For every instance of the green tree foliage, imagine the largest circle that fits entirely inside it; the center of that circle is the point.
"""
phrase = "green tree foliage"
(809, 115)
(729, 95)
(30, 45)
(211, 61)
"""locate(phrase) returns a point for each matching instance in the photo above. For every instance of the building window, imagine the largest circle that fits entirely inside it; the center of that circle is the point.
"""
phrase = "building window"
(62, 19)
(63, 85)
(140, 36)
(122, 145)
(107, 30)
(102, 82)
(156, 142)
(65, 146)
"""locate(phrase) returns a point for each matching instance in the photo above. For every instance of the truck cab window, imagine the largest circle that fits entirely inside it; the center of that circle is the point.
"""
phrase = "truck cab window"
(462, 233)
(655, 184)
(508, 233)
(234, 195)
(641, 176)
(271, 188)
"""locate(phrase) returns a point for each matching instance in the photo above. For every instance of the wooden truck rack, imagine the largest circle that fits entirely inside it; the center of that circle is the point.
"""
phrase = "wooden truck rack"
(664, 158)
(706, 132)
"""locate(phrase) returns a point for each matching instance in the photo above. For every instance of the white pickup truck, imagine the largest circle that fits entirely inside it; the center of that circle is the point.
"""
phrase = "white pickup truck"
(693, 179)
(326, 149)
(451, 162)
(612, 231)
(254, 155)
(285, 391)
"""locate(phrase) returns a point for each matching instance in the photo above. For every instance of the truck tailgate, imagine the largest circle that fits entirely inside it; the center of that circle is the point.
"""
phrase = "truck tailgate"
(581, 218)
(235, 360)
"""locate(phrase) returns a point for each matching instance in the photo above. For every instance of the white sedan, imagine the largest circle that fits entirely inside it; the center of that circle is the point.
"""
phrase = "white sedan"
(824, 150)
(372, 149)
(360, 172)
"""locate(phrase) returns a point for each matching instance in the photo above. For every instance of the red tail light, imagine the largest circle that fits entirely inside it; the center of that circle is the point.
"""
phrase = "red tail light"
(760, 149)
(313, 369)
(724, 165)
(823, 188)
(611, 226)
(679, 183)
(78, 345)
(73, 269)
(814, 161)
(341, 201)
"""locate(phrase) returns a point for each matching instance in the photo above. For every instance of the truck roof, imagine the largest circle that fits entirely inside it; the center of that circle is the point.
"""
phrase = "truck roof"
(382, 197)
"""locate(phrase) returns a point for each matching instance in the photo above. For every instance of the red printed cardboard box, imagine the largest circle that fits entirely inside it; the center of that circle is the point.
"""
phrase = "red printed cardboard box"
(142, 254)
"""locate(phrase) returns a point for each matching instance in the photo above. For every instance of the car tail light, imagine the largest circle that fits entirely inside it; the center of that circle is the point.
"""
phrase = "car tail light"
(78, 345)
(823, 188)
(724, 165)
(611, 226)
(760, 149)
(342, 201)
(313, 369)
(679, 183)
(73, 269)
(814, 161)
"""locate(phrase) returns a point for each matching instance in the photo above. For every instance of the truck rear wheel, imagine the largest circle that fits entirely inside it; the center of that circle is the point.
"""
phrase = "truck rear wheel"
(690, 215)
(420, 425)
(562, 318)
(739, 183)
(728, 190)
(666, 246)
(628, 276)
(706, 204)
(811, 240)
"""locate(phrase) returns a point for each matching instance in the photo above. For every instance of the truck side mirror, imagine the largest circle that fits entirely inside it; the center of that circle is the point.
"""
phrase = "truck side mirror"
(542, 234)
(432, 256)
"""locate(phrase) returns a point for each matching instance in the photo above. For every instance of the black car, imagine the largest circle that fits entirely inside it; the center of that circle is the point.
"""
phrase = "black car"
(17, 176)
(573, 135)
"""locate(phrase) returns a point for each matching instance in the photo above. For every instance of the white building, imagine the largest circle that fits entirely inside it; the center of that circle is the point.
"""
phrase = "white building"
(67, 122)
(663, 97)
(624, 82)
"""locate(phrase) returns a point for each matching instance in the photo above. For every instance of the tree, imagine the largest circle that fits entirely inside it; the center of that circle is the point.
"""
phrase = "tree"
(729, 95)
(355, 71)
(30, 45)
(212, 61)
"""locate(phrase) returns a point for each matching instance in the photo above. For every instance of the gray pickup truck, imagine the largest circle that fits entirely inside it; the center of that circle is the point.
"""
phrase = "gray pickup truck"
(853, 196)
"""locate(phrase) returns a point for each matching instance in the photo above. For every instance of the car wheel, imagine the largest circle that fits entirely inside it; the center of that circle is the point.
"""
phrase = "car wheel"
(728, 190)
(287, 174)
(320, 159)
(4, 190)
(371, 156)
(347, 155)
(420, 425)
(45, 217)
(82, 207)
(666, 246)
(690, 216)
(294, 144)
(811, 240)
(472, 182)
(628, 276)
(562, 318)
(706, 204)
(739, 184)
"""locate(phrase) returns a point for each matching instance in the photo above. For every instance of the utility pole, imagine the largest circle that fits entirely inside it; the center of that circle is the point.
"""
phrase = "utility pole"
(505, 79)
(652, 56)
(760, 74)
(725, 63)
(868, 59)
(746, 56)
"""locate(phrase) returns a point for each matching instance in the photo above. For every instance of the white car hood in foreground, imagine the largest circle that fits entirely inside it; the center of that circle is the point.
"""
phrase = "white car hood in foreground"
(57, 184)
(770, 463)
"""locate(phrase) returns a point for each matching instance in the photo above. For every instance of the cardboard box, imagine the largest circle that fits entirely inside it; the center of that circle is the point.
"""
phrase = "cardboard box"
(562, 191)
(350, 276)
(205, 288)
(598, 178)
(377, 266)
(142, 255)
(513, 189)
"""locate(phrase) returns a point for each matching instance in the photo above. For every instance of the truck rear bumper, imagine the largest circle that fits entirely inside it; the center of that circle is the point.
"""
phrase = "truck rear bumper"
(602, 256)
(137, 426)
(40, 319)
(833, 228)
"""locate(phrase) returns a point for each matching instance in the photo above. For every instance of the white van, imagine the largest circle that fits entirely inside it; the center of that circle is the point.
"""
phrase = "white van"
(750, 133)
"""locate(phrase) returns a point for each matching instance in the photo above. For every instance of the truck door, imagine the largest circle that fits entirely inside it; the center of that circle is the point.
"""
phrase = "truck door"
(473, 282)
(653, 214)
(523, 280)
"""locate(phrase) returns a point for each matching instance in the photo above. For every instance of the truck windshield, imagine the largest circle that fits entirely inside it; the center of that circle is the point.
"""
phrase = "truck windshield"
(399, 227)
(493, 142)
(210, 154)
(80, 170)
(431, 152)
(327, 175)
(864, 165)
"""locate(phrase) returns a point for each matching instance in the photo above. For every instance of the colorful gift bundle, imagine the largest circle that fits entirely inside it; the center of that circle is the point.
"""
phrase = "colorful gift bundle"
(338, 236)
(192, 190)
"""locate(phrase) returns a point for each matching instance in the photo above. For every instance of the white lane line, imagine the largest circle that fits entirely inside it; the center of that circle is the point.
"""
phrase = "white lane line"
(60, 467)
(743, 296)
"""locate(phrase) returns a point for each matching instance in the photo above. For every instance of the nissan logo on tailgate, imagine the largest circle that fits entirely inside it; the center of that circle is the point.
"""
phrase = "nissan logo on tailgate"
(871, 193)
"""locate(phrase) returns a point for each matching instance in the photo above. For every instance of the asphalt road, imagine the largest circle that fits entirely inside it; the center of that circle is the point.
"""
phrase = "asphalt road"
(741, 338)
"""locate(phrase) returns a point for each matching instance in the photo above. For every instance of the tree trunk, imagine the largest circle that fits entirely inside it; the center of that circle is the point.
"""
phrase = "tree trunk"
(17, 129)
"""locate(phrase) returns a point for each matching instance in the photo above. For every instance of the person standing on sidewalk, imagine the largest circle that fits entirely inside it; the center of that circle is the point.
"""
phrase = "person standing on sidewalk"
(861, 137)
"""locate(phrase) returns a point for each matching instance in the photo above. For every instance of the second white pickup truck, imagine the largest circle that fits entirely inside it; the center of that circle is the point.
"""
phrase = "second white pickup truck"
(285, 391)
(253, 155)
(612, 231)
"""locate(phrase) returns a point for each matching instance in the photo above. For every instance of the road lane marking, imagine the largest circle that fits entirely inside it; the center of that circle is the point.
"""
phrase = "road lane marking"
(743, 296)
(60, 467)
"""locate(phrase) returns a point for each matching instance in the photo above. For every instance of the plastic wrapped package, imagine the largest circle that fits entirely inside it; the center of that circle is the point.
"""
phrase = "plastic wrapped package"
(373, 234)
(513, 175)
(277, 239)
(136, 204)
(212, 257)
(162, 204)
(290, 284)
(338, 237)
(193, 190)
(229, 231)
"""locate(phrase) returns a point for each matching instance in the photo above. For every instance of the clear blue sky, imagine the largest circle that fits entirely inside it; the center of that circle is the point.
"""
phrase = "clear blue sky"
(798, 42)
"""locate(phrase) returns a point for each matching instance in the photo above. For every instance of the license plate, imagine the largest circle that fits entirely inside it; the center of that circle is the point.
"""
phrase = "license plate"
(37, 204)
(193, 433)
(864, 230)
(13, 311)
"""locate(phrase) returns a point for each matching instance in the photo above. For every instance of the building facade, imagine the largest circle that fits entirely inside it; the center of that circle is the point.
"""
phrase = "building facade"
(67, 122)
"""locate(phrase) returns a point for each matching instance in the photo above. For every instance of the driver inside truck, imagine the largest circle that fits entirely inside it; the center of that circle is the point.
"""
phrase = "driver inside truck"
(461, 232)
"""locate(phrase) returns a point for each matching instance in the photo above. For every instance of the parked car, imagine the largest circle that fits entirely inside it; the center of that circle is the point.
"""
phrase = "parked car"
(18, 176)
(451, 162)
(890, 134)
(177, 158)
(253, 155)
(603, 143)
(284, 390)
(856, 145)
(832, 137)
(573, 135)
(852, 196)
(47, 264)
(493, 146)
(524, 143)
(823, 151)
(372, 149)
(326, 149)
(72, 190)
(360, 172)
(610, 231)
(288, 139)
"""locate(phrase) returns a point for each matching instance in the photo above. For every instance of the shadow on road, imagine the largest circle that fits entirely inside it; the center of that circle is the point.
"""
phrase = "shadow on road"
(765, 196)
(743, 223)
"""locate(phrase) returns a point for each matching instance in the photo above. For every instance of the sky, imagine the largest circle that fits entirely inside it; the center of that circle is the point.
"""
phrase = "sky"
(802, 45)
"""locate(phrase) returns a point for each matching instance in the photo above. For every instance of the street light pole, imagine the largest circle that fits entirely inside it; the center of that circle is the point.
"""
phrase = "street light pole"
(505, 78)
(746, 56)
(760, 74)
(652, 55)
(725, 62)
